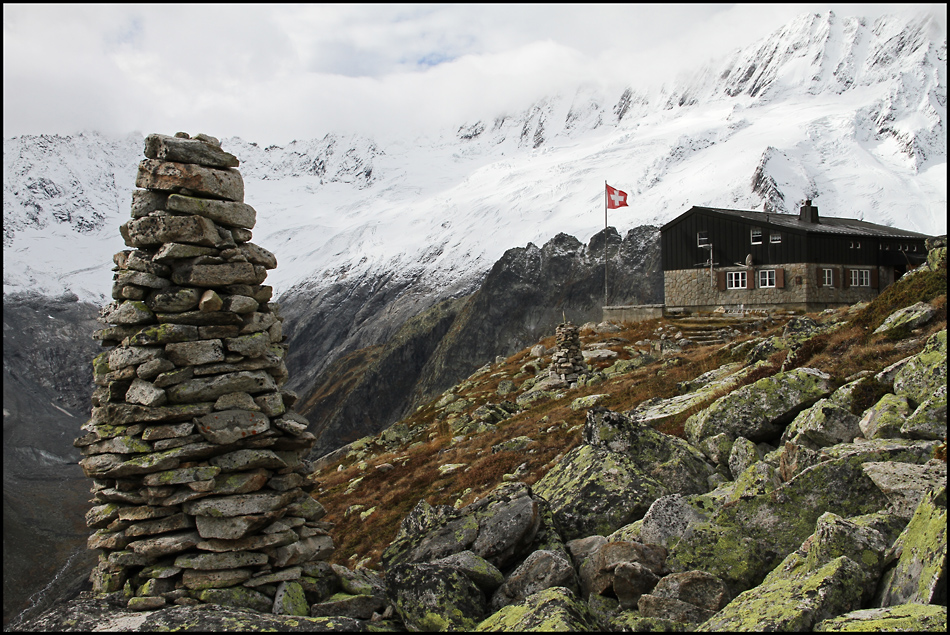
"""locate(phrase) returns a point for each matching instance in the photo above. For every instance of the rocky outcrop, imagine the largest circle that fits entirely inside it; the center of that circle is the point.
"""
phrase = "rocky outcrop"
(193, 449)
(613, 478)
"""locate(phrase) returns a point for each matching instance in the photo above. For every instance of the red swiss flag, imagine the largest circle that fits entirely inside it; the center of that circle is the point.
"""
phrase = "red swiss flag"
(616, 198)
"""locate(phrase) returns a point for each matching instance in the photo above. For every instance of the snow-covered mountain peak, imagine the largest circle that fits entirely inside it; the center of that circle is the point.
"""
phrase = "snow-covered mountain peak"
(848, 113)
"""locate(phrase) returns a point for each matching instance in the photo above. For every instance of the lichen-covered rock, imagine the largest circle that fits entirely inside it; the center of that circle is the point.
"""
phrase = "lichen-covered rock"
(595, 491)
(717, 448)
(360, 581)
(633, 622)
(905, 484)
(910, 317)
(885, 419)
(921, 567)
(508, 522)
(343, 604)
(480, 571)
(929, 420)
(836, 536)
(108, 613)
(743, 454)
(499, 528)
(741, 542)
(290, 600)
(672, 609)
(793, 601)
(654, 412)
(668, 519)
(906, 618)
(237, 596)
(428, 533)
(759, 478)
(613, 479)
(821, 425)
(541, 570)
(583, 403)
(760, 411)
(832, 573)
(554, 609)
(432, 597)
(864, 450)
(925, 372)
(695, 587)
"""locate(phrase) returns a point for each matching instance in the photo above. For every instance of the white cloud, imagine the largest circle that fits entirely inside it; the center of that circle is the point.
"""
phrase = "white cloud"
(275, 72)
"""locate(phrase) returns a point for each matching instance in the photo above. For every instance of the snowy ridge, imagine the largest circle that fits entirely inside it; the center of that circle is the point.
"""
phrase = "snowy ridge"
(848, 114)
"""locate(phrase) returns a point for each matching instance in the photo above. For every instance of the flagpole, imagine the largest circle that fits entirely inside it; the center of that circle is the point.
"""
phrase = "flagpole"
(605, 243)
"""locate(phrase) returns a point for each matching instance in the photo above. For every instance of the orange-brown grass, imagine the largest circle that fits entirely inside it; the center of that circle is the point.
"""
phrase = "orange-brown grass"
(849, 351)
(919, 287)
(552, 425)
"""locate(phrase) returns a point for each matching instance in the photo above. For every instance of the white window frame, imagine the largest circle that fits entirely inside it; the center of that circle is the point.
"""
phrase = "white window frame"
(702, 238)
(752, 236)
(736, 280)
(855, 244)
(860, 277)
(827, 277)
(766, 278)
(775, 238)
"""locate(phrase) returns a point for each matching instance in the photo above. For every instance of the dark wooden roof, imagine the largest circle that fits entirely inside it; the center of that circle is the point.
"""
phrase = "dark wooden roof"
(825, 224)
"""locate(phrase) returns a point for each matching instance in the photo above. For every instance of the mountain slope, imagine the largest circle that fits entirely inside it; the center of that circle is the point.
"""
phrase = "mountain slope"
(526, 293)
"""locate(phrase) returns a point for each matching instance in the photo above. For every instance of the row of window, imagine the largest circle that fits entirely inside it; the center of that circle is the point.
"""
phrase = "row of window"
(766, 278)
(702, 238)
(856, 244)
(755, 238)
(739, 279)
(859, 277)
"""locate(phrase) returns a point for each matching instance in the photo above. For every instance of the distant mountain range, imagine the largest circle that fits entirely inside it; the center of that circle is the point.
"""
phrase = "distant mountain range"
(848, 113)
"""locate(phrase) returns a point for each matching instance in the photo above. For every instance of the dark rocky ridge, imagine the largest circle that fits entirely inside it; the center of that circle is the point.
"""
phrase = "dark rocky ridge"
(530, 290)
(527, 292)
(46, 383)
(367, 390)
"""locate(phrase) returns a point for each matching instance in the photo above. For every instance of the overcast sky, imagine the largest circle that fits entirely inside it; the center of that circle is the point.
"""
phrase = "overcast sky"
(272, 73)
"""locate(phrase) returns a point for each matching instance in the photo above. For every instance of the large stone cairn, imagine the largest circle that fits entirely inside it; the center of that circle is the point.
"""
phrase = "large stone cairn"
(567, 362)
(195, 455)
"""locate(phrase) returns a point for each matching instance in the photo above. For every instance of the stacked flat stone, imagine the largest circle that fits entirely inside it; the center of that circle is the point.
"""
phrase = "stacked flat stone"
(194, 452)
(567, 362)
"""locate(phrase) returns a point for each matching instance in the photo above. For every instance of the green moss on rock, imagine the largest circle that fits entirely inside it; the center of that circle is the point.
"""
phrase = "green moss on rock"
(907, 618)
(793, 602)
(922, 563)
(556, 609)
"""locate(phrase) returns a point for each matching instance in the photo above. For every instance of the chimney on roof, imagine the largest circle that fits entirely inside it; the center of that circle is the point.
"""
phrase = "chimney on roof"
(808, 213)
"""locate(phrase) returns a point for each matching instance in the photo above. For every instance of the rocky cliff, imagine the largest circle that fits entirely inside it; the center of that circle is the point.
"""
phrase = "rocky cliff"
(526, 293)
(791, 478)
(46, 383)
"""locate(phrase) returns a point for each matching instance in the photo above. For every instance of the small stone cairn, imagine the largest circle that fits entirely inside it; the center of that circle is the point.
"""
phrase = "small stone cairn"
(194, 453)
(567, 362)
